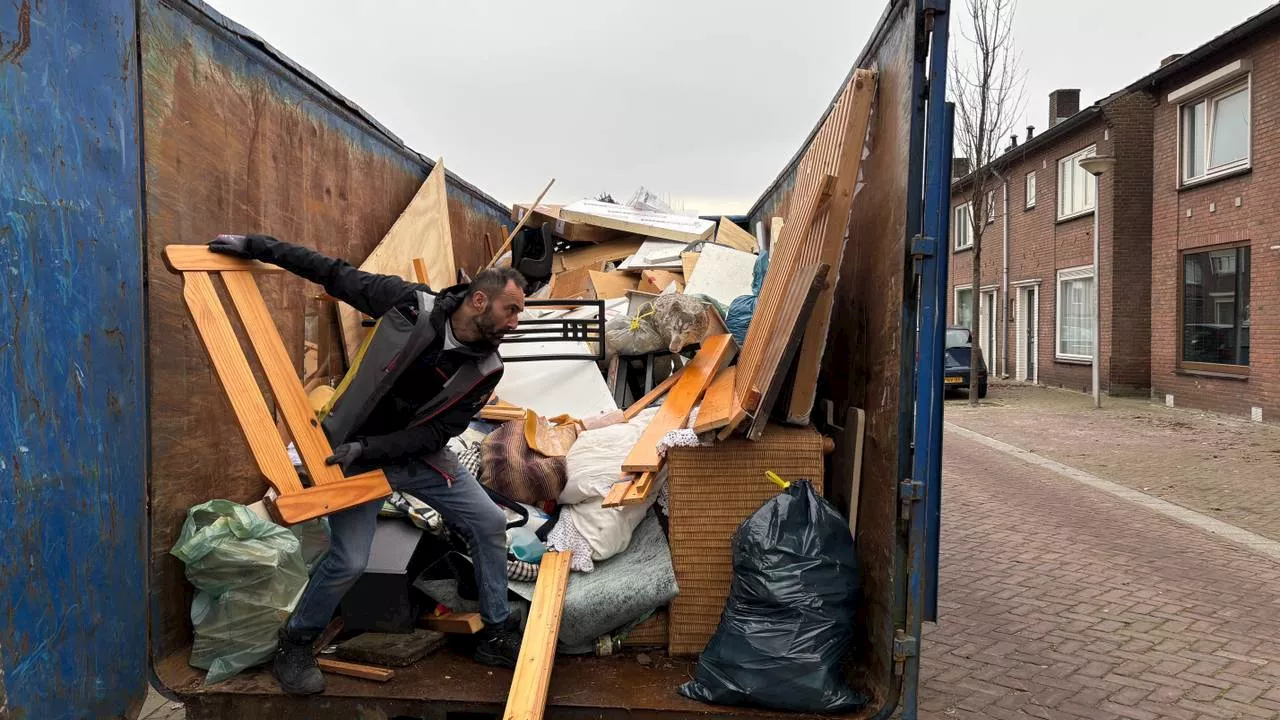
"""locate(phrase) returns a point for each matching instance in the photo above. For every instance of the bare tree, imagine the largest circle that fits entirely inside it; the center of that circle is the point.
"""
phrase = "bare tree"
(986, 86)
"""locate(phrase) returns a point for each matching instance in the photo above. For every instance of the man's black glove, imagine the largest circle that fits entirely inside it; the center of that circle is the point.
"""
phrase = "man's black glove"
(236, 245)
(345, 454)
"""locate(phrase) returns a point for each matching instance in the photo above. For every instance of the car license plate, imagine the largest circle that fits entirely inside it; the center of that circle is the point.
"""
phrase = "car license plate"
(954, 380)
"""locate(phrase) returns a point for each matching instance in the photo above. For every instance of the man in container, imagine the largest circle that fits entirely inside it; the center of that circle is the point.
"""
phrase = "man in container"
(422, 374)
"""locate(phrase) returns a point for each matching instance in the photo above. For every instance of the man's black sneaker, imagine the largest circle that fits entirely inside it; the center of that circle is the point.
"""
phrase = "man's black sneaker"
(295, 665)
(498, 645)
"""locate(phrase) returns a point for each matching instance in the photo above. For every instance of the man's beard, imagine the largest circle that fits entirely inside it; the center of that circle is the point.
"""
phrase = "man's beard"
(489, 330)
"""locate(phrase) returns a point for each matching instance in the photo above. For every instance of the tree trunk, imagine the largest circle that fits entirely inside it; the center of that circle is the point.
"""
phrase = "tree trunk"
(975, 321)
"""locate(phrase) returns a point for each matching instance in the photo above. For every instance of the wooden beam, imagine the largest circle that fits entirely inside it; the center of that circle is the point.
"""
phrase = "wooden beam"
(233, 371)
(640, 489)
(617, 493)
(198, 258)
(456, 623)
(330, 632)
(652, 396)
(531, 681)
(319, 500)
(717, 405)
(355, 670)
(716, 352)
(728, 233)
(519, 226)
(420, 271)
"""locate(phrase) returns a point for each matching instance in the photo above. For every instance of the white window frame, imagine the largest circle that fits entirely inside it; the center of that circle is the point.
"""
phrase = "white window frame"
(1031, 189)
(1067, 275)
(1224, 82)
(991, 206)
(1073, 160)
(962, 225)
(955, 305)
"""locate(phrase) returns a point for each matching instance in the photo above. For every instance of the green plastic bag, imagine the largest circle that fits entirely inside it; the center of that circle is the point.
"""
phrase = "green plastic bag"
(248, 573)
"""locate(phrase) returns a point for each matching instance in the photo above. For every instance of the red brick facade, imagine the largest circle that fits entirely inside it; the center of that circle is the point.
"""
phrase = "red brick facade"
(1237, 209)
(1041, 245)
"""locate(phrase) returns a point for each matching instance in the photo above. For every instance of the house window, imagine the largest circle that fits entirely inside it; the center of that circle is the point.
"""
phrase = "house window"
(1215, 133)
(991, 206)
(964, 307)
(1075, 314)
(962, 226)
(1075, 186)
(1031, 189)
(1215, 307)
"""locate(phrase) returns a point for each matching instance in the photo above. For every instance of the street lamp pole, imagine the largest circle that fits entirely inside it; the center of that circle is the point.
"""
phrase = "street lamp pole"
(1096, 166)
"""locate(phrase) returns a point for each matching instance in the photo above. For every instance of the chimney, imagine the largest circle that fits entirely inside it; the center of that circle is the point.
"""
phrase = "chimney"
(1172, 58)
(1062, 105)
(1013, 141)
(959, 167)
(1031, 132)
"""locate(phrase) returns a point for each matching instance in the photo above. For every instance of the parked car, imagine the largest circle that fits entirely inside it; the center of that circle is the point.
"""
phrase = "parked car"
(957, 361)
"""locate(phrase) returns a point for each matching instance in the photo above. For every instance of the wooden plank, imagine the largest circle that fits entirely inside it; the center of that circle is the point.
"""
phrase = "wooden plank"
(617, 493)
(319, 500)
(456, 623)
(595, 256)
(805, 287)
(326, 638)
(641, 222)
(572, 285)
(198, 258)
(289, 395)
(737, 416)
(609, 286)
(527, 699)
(728, 233)
(519, 226)
(420, 271)
(689, 261)
(775, 230)
(809, 362)
(421, 231)
(717, 405)
(652, 396)
(355, 670)
(715, 353)
(640, 489)
(236, 377)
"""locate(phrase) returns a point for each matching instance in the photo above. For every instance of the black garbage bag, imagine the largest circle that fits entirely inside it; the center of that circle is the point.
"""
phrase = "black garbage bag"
(788, 622)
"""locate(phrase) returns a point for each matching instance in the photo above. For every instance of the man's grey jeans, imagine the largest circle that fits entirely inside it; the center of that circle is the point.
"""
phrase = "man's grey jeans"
(462, 503)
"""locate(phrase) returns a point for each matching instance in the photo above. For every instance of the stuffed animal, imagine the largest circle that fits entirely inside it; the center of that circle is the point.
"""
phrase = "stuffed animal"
(672, 321)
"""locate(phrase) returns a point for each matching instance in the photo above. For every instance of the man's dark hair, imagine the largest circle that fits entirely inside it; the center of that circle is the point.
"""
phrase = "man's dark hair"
(493, 281)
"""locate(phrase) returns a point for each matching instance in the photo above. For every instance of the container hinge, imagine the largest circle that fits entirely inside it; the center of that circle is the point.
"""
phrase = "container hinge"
(904, 646)
(909, 492)
(923, 246)
(935, 6)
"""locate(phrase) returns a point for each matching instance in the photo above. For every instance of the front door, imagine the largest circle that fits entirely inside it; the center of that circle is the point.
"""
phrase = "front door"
(1028, 329)
(987, 328)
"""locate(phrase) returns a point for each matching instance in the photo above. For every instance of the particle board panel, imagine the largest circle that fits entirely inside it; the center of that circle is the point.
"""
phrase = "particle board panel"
(421, 232)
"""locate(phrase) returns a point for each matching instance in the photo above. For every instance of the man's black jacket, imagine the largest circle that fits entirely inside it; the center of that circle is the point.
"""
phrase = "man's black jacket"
(392, 432)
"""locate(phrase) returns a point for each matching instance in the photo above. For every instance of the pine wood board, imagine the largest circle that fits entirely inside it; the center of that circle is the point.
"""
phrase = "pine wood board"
(527, 699)
(454, 623)
(802, 295)
(716, 353)
(421, 231)
(355, 670)
(198, 258)
(825, 171)
(728, 233)
(613, 285)
(717, 404)
(639, 490)
(668, 226)
(320, 500)
(652, 396)
(618, 493)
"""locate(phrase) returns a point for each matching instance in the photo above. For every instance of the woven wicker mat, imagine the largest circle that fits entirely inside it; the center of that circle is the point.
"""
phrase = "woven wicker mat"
(713, 489)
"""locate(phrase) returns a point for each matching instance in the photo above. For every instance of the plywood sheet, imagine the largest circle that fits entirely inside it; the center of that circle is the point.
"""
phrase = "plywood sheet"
(421, 231)
(612, 285)
(722, 274)
(572, 285)
(728, 233)
(641, 222)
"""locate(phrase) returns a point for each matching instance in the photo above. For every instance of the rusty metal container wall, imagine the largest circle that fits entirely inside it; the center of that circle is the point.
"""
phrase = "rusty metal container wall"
(237, 139)
(864, 365)
(72, 367)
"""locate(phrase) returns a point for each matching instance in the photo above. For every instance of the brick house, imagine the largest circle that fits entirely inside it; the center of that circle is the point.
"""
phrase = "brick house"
(1216, 226)
(1035, 298)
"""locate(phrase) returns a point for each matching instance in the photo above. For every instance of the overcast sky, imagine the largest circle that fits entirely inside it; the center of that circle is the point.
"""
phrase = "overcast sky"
(701, 101)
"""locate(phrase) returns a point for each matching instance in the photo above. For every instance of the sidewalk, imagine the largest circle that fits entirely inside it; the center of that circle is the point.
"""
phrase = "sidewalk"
(1225, 467)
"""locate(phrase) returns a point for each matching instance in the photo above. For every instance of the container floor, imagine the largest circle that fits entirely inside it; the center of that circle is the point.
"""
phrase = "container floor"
(449, 685)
